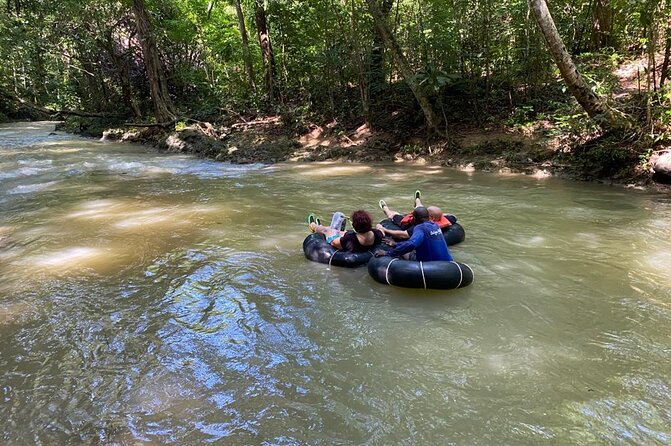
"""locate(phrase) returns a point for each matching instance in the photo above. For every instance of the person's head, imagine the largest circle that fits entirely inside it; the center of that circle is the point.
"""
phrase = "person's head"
(362, 222)
(420, 214)
(435, 214)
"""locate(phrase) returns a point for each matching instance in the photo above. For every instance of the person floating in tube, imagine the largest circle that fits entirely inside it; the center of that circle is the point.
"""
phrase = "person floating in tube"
(426, 239)
(406, 221)
(359, 240)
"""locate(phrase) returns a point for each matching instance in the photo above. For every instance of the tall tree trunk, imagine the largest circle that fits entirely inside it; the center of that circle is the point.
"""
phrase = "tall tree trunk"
(158, 85)
(602, 24)
(667, 55)
(93, 95)
(376, 73)
(17, 7)
(122, 67)
(249, 68)
(364, 89)
(402, 63)
(266, 47)
(596, 107)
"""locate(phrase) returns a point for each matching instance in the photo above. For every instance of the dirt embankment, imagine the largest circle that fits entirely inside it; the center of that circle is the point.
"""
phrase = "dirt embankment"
(267, 140)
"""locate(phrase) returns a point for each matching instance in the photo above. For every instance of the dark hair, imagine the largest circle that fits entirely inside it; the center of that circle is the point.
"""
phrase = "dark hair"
(362, 221)
(420, 214)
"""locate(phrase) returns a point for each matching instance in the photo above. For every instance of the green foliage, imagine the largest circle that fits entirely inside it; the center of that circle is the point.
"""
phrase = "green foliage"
(603, 157)
(480, 62)
(412, 149)
(432, 79)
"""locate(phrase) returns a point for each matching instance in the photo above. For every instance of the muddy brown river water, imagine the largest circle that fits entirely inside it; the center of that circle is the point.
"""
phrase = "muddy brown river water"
(150, 298)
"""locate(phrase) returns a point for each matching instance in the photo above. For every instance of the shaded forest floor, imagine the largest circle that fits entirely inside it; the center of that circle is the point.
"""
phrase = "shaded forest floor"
(550, 136)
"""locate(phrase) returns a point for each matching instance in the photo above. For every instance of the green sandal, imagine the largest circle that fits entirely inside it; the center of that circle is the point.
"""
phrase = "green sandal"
(312, 219)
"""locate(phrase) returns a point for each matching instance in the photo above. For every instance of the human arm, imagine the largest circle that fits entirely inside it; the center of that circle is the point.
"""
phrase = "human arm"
(336, 243)
(396, 233)
(415, 240)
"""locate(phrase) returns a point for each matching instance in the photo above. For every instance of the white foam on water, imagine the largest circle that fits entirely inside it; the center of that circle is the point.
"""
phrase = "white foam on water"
(32, 162)
(30, 188)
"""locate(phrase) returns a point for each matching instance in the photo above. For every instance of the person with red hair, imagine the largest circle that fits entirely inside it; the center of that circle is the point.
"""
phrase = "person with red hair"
(360, 239)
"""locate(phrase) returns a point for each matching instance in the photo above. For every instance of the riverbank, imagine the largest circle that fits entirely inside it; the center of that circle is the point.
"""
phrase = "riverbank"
(534, 150)
(544, 135)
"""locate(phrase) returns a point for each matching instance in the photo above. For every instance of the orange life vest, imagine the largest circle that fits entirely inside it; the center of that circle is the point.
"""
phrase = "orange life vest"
(442, 223)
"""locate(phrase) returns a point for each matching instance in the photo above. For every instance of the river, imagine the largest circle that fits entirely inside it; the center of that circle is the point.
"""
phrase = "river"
(152, 298)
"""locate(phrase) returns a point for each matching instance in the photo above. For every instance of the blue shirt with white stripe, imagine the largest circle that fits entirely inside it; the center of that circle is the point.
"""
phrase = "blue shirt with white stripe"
(428, 242)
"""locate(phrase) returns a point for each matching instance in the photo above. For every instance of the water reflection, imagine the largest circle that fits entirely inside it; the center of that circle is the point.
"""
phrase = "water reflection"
(159, 299)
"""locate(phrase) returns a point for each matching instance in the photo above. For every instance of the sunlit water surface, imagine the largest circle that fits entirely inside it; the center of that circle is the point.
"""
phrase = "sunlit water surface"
(150, 298)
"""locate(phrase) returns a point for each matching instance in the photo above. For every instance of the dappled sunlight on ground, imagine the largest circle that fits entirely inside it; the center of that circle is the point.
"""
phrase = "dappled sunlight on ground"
(325, 137)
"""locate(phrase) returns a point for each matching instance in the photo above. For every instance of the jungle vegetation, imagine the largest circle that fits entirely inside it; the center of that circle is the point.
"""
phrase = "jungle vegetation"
(391, 64)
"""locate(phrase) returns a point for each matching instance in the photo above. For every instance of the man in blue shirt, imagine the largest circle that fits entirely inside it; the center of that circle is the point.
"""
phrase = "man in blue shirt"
(426, 239)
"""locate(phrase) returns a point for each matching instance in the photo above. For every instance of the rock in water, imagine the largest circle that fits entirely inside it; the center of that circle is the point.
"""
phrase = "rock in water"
(661, 167)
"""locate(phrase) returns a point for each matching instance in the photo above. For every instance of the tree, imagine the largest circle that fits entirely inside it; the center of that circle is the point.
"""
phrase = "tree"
(266, 47)
(376, 74)
(121, 65)
(602, 24)
(246, 56)
(403, 66)
(249, 68)
(595, 106)
(158, 85)
(664, 74)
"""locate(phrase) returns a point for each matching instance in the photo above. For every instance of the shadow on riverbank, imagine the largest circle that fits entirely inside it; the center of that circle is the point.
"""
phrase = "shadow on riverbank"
(533, 150)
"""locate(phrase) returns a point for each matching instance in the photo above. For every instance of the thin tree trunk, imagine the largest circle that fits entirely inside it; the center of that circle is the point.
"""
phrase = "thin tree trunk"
(122, 68)
(486, 53)
(376, 76)
(17, 7)
(360, 64)
(249, 68)
(266, 47)
(93, 92)
(667, 55)
(580, 29)
(602, 25)
(422, 36)
(595, 106)
(158, 85)
(403, 66)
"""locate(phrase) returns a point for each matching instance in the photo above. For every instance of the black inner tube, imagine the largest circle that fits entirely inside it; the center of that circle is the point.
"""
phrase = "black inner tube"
(453, 234)
(438, 275)
(317, 249)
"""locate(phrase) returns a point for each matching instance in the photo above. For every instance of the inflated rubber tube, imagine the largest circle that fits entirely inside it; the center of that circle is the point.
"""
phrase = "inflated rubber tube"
(438, 275)
(316, 249)
(453, 234)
